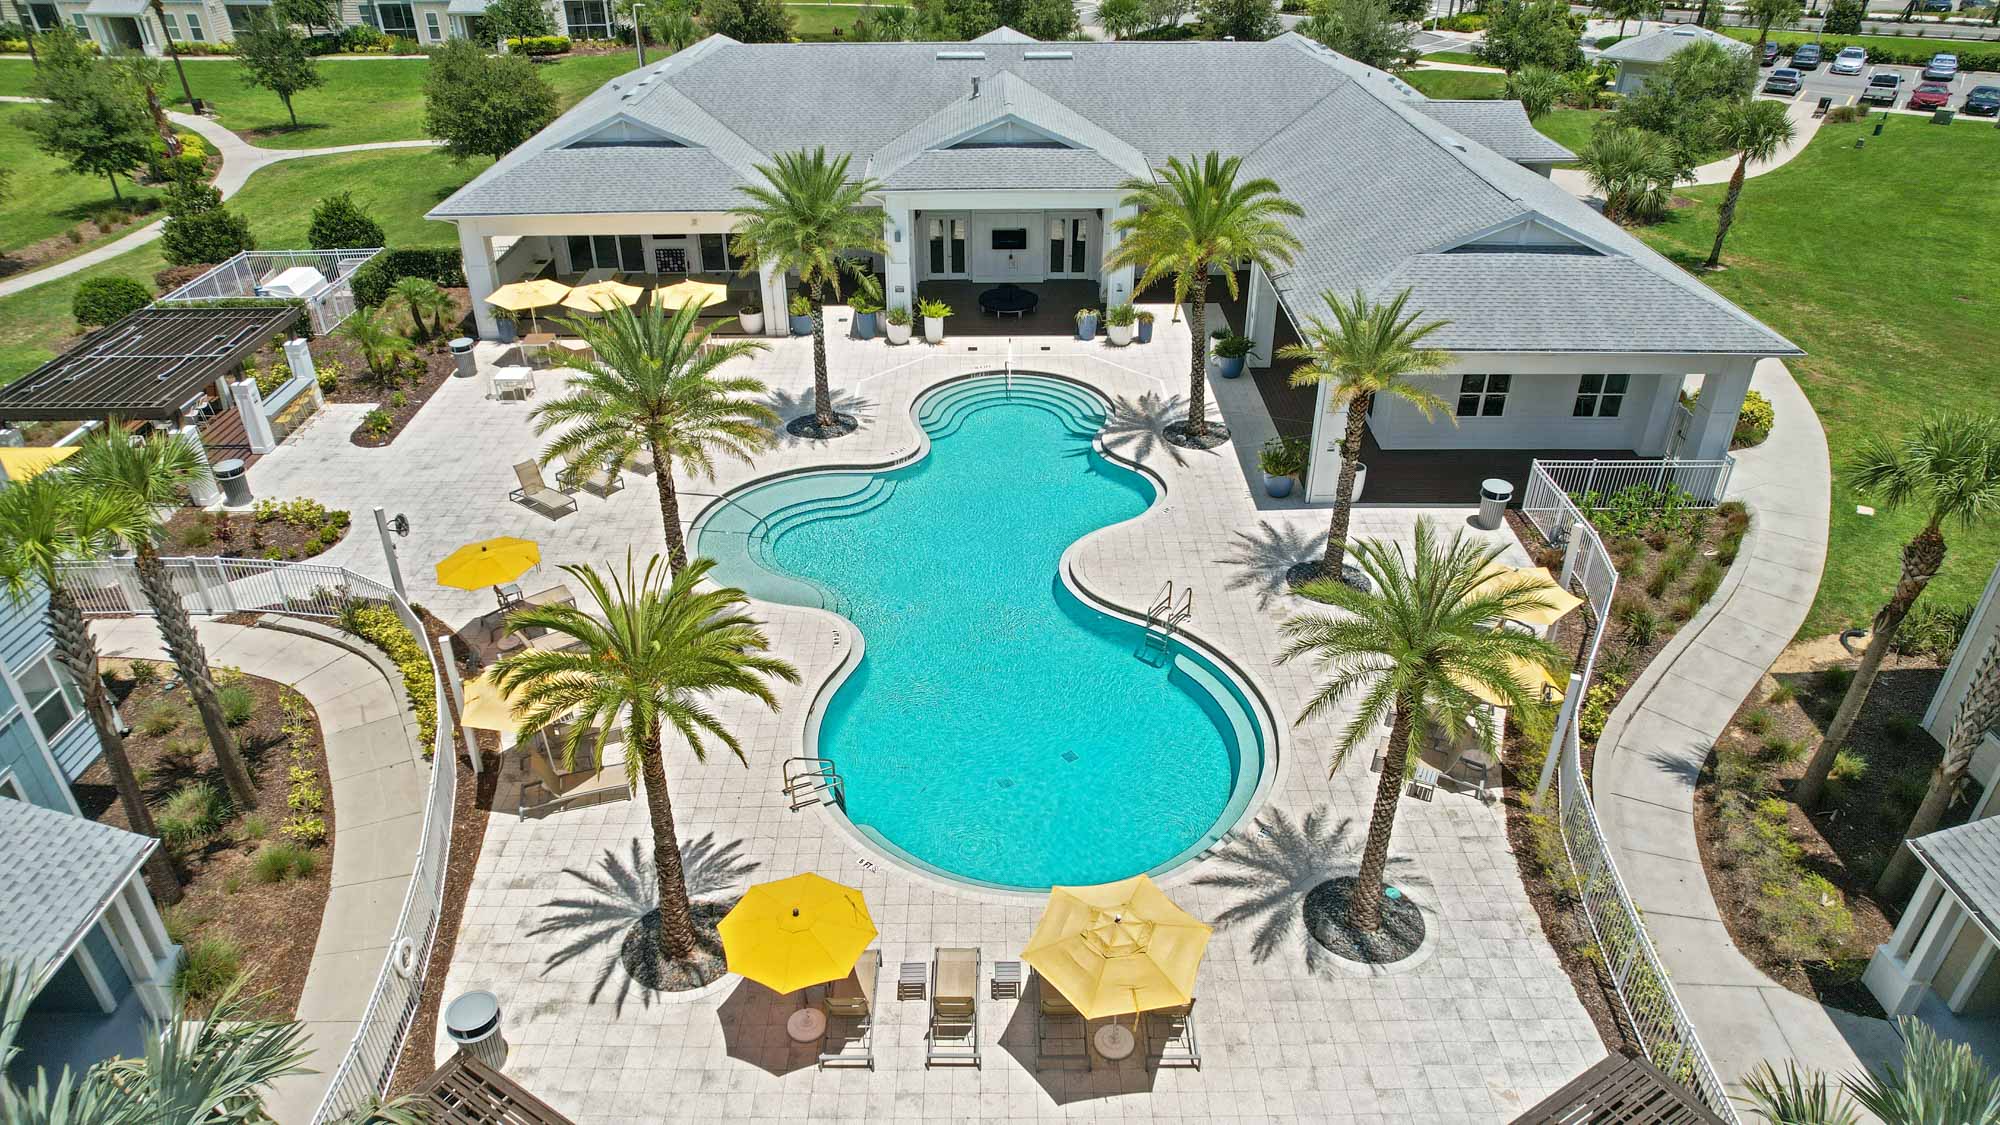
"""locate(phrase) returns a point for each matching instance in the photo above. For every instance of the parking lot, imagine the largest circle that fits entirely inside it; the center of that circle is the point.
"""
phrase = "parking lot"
(1844, 89)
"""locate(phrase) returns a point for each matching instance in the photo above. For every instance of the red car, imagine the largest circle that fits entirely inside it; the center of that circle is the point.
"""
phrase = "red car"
(1929, 95)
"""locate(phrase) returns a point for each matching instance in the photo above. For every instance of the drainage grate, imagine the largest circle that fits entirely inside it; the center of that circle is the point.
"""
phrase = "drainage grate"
(1069, 755)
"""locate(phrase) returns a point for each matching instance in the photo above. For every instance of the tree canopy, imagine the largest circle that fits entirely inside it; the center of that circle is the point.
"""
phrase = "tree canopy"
(199, 229)
(1243, 20)
(339, 224)
(92, 119)
(518, 19)
(748, 21)
(1367, 31)
(1680, 104)
(308, 14)
(1532, 33)
(481, 105)
(275, 57)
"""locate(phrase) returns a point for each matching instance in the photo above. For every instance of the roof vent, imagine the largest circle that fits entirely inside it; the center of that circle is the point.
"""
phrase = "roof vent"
(1048, 54)
(1453, 143)
(975, 85)
(1685, 32)
(961, 55)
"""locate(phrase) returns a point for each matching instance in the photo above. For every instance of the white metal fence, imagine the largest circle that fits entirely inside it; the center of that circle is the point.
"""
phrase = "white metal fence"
(1704, 482)
(217, 586)
(244, 275)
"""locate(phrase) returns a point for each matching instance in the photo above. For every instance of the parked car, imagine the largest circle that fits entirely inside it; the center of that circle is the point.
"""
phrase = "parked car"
(1784, 80)
(1883, 87)
(1850, 60)
(1770, 55)
(1937, 5)
(1806, 56)
(1982, 101)
(1943, 67)
(1929, 95)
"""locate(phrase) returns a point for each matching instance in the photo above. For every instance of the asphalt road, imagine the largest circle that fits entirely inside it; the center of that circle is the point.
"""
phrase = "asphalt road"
(1846, 88)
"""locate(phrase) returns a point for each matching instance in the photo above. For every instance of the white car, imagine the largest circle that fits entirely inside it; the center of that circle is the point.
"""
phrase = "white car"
(1850, 60)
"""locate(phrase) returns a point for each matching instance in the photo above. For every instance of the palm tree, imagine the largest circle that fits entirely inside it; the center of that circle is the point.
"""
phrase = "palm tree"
(1941, 1082)
(1630, 10)
(652, 382)
(1412, 650)
(805, 219)
(44, 523)
(1369, 350)
(1192, 218)
(1765, 13)
(1951, 465)
(154, 472)
(1757, 129)
(1538, 89)
(657, 652)
(1634, 170)
(381, 347)
(421, 297)
(173, 50)
(1978, 712)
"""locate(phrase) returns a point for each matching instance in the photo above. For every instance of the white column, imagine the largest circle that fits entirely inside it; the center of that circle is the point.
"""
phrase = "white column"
(1961, 995)
(250, 407)
(201, 489)
(1329, 430)
(1660, 417)
(135, 931)
(1895, 974)
(389, 553)
(776, 320)
(299, 358)
(898, 285)
(1261, 316)
(481, 278)
(100, 990)
(1117, 284)
(456, 686)
(1722, 392)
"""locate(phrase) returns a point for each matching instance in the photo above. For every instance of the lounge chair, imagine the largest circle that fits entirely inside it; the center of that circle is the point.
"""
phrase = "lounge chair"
(596, 478)
(850, 1015)
(1170, 1037)
(535, 492)
(1061, 1036)
(550, 792)
(954, 1033)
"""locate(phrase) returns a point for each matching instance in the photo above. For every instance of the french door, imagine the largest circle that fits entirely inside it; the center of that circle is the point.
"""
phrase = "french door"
(1068, 237)
(946, 243)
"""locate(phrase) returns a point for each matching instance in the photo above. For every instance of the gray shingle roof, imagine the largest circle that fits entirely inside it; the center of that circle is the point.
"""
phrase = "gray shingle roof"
(1659, 46)
(1499, 125)
(1967, 859)
(56, 872)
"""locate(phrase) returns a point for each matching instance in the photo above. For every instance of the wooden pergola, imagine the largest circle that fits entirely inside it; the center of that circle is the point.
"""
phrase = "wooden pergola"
(1621, 1090)
(465, 1091)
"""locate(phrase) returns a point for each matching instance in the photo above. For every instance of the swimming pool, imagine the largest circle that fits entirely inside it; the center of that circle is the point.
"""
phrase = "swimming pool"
(997, 729)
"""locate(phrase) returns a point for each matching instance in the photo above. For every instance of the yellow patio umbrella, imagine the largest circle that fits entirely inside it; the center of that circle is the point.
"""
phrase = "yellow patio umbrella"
(681, 294)
(487, 707)
(489, 562)
(527, 296)
(1499, 576)
(1531, 676)
(601, 295)
(796, 932)
(1118, 948)
(22, 462)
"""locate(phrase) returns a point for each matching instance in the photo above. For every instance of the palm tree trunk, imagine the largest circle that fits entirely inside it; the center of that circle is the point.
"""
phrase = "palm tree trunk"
(1978, 710)
(1197, 419)
(170, 615)
(822, 388)
(670, 508)
(1922, 557)
(1343, 498)
(77, 652)
(1727, 214)
(159, 13)
(676, 913)
(1365, 906)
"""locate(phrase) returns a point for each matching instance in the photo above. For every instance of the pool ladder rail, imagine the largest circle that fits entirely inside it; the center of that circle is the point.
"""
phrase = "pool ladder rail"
(812, 781)
(1163, 620)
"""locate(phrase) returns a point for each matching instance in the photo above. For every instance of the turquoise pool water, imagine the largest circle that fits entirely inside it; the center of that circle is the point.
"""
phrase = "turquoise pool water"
(997, 729)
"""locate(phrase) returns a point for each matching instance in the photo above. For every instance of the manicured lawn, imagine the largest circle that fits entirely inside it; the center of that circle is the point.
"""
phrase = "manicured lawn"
(1899, 331)
(397, 187)
(46, 200)
(1457, 84)
(1462, 58)
(1570, 128)
(1876, 42)
(821, 21)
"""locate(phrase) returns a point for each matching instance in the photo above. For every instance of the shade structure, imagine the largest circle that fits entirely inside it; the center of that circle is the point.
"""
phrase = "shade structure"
(601, 295)
(1118, 948)
(487, 707)
(1500, 577)
(489, 562)
(527, 296)
(1532, 677)
(796, 932)
(22, 462)
(681, 294)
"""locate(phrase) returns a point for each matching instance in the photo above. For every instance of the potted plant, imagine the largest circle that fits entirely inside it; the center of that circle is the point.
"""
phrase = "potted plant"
(1118, 322)
(1145, 327)
(898, 320)
(1086, 324)
(751, 317)
(802, 316)
(865, 310)
(1230, 353)
(933, 313)
(1282, 459)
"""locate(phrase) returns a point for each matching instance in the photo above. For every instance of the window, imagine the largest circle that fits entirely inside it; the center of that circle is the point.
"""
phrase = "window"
(396, 19)
(1058, 235)
(1482, 396)
(432, 30)
(587, 19)
(1076, 245)
(607, 251)
(82, 25)
(195, 34)
(1010, 238)
(51, 695)
(947, 245)
(11, 789)
(173, 26)
(1600, 396)
(44, 17)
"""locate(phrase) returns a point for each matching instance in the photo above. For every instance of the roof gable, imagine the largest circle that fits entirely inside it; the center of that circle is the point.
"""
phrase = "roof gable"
(993, 111)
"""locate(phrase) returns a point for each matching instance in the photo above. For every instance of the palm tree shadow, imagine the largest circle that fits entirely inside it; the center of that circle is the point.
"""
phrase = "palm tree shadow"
(788, 404)
(1264, 557)
(1274, 866)
(1132, 427)
(620, 913)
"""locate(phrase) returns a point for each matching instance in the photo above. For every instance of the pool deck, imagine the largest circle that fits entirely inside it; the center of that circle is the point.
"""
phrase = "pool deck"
(1482, 1028)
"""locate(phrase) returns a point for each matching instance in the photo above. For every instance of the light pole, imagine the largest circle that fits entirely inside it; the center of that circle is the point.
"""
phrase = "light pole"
(639, 31)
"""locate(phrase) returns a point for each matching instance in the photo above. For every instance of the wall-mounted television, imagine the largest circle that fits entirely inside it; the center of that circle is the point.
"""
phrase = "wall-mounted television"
(1010, 238)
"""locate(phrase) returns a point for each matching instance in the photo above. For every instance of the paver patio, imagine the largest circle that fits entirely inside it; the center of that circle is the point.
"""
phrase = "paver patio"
(1482, 1028)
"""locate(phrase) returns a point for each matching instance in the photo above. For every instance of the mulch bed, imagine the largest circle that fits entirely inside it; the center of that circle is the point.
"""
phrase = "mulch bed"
(1852, 837)
(430, 368)
(276, 925)
(241, 535)
(1565, 927)
(1328, 908)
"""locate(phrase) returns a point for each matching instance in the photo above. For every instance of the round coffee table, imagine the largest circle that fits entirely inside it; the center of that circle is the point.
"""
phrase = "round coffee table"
(1115, 1041)
(1009, 300)
(806, 1025)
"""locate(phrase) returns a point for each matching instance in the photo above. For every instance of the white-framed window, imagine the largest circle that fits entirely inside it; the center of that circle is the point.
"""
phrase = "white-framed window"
(173, 27)
(433, 30)
(195, 34)
(587, 19)
(1483, 396)
(625, 252)
(1600, 396)
(49, 693)
(82, 25)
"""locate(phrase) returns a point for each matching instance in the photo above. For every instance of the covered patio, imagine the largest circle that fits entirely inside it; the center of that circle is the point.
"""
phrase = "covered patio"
(1938, 963)
(1054, 313)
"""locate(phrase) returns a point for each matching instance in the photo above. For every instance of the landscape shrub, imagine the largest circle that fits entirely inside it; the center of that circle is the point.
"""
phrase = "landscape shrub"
(193, 815)
(1754, 423)
(1464, 21)
(160, 719)
(192, 161)
(173, 277)
(378, 422)
(373, 281)
(237, 704)
(379, 626)
(1932, 630)
(208, 964)
(1597, 706)
(105, 300)
(277, 862)
(540, 46)
(338, 223)
(1640, 623)
(204, 48)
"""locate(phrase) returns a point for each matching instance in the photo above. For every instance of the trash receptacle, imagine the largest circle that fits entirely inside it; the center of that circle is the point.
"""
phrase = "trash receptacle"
(1943, 116)
(1494, 496)
(473, 1022)
(234, 481)
(461, 354)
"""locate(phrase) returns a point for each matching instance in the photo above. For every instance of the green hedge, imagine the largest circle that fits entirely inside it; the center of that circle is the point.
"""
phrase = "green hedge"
(537, 46)
(105, 300)
(1967, 60)
(373, 281)
(379, 625)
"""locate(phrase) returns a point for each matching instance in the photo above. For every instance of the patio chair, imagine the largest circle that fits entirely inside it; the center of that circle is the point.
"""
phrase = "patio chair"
(1061, 1036)
(1170, 1038)
(596, 478)
(954, 1031)
(548, 791)
(850, 1015)
(535, 492)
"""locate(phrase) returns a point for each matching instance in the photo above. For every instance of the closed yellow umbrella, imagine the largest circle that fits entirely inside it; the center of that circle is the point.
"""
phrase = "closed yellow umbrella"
(1118, 948)
(681, 294)
(24, 461)
(601, 295)
(489, 562)
(796, 932)
(527, 296)
(1537, 579)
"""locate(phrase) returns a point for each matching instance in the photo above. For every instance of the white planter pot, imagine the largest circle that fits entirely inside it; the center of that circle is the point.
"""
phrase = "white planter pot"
(1121, 334)
(752, 322)
(1360, 479)
(934, 329)
(899, 333)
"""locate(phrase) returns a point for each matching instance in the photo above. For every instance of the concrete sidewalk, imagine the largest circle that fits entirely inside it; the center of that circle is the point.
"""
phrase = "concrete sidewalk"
(1804, 127)
(379, 781)
(1655, 744)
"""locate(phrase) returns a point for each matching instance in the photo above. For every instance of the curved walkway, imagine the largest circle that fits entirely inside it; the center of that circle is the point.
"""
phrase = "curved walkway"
(1655, 744)
(1804, 127)
(379, 779)
(240, 160)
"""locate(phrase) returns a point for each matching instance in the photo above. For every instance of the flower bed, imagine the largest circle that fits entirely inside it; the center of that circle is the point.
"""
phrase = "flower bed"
(344, 377)
(287, 530)
(379, 625)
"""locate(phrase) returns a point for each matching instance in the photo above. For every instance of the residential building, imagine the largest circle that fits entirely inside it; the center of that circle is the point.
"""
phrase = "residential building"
(132, 25)
(1640, 57)
(1005, 160)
